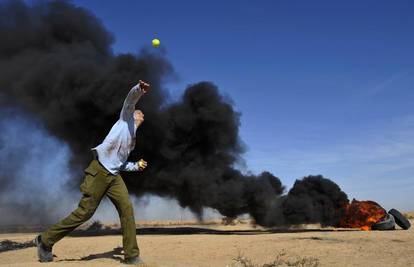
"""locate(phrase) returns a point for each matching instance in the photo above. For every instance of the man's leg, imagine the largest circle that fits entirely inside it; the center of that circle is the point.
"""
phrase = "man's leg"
(118, 194)
(94, 186)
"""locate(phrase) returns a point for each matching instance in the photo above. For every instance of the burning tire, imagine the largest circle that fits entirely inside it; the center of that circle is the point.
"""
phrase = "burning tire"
(386, 224)
(400, 219)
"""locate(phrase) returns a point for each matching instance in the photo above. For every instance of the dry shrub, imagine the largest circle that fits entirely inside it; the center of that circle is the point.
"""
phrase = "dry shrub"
(280, 260)
(409, 215)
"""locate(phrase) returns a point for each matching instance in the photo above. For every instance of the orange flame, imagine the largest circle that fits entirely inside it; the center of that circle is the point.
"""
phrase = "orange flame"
(362, 214)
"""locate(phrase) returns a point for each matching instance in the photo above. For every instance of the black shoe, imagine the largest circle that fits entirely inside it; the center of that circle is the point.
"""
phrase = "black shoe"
(134, 261)
(43, 253)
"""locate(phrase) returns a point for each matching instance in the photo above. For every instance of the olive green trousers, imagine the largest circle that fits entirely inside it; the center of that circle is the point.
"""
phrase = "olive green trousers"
(97, 183)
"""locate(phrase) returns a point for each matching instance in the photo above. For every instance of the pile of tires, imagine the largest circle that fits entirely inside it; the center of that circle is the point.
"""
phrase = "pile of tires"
(393, 217)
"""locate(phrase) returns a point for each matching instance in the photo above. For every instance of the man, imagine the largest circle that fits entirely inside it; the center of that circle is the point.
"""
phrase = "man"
(102, 178)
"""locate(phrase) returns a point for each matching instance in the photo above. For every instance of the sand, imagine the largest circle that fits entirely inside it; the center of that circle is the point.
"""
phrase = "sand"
(331, 247)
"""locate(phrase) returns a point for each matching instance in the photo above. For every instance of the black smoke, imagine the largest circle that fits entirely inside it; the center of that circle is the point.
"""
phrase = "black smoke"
(56, 63)
(314, 199)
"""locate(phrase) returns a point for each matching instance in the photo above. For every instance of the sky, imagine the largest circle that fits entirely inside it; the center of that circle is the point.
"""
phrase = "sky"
(324, 87)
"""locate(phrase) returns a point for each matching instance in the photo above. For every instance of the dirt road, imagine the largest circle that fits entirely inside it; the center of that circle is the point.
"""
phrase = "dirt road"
(218, 245)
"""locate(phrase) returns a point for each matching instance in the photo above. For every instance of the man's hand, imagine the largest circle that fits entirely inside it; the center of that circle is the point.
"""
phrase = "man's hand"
(144, 86)
(142, 164)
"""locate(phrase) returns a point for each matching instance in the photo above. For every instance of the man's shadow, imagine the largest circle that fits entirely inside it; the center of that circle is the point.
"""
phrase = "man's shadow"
(115, 254)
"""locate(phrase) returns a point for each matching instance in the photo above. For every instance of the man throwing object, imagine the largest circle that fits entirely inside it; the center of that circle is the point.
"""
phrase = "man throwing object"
(102, 178)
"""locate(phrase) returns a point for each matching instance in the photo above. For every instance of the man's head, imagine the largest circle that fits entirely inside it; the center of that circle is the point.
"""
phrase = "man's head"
(138, 117)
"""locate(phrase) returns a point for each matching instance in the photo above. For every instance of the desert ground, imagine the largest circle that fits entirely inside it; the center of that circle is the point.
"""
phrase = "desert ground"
(214, 244)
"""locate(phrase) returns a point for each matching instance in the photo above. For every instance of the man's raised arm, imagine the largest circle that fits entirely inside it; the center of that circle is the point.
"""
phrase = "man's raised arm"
(132, 98)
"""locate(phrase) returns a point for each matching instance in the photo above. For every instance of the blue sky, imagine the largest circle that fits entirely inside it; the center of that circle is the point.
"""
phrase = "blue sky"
(324, 87)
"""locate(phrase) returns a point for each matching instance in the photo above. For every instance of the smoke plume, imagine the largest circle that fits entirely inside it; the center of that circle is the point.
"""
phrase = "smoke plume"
(32, 180)
(57, 64)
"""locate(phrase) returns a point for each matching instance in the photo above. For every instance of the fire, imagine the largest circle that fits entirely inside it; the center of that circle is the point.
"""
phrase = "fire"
(362, 214)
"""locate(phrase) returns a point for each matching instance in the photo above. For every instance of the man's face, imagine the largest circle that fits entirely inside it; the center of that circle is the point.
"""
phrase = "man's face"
(138, 117)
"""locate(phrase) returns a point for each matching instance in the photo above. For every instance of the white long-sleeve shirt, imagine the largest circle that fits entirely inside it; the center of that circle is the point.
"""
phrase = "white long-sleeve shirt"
(113, 152)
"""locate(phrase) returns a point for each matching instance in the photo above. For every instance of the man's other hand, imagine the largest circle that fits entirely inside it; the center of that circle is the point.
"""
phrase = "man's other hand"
(142, 164)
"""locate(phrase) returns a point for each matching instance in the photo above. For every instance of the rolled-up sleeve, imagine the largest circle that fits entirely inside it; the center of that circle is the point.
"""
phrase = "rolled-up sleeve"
(130, 167)
(130, 101)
